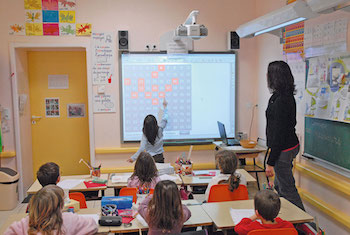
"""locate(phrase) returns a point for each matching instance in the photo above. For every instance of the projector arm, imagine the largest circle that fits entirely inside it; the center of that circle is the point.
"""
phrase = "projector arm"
(192, 18)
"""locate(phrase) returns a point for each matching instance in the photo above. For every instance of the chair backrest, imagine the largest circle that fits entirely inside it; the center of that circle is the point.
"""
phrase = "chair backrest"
(277, 231)
(221, 193)
(80, 198)
(129, 192)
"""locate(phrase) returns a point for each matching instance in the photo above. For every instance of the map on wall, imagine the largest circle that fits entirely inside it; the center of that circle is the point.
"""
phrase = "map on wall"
(327, 88)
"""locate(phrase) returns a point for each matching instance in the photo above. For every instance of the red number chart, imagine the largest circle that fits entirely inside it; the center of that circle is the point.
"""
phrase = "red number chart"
(146, 86)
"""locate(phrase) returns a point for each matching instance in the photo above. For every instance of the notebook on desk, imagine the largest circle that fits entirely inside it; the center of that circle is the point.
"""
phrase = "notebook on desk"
(227, 142)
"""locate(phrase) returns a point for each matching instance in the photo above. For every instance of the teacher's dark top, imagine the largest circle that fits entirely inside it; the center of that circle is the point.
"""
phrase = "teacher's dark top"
(280, 126)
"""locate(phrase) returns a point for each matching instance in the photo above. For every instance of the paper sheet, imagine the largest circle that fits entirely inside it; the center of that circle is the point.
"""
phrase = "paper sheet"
(95, 217)
(121, 178)
(238, 214)
(170, 177)
(68, 184)
(141, 220)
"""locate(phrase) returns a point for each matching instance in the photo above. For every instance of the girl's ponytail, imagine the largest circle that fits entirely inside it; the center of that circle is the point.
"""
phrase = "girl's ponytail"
(228, 163)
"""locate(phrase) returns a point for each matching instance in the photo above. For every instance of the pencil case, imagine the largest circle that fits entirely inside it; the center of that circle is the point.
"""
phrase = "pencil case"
(110, 221)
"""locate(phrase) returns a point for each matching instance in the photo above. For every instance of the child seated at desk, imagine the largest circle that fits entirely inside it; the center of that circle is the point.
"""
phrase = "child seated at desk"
(164, 212)
(145, 172)
(227, 162)
(49, 173)
(46, 217)
(267, 205)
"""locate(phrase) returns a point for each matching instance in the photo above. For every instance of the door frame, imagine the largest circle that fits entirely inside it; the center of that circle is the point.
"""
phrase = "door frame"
(16, 116)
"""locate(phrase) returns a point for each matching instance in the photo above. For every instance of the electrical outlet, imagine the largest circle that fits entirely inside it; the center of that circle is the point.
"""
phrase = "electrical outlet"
(249, 105)
(6, 114)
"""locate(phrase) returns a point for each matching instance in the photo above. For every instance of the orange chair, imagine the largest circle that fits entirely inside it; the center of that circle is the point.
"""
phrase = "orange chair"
(278, 231)
(129, 192)
(221, 193)
(80, 198)
(132, 192)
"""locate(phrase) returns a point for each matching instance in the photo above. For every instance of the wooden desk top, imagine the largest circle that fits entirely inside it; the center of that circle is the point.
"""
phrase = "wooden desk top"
(239, 149)
(219, 212)
(188, 180)
(204, 180)
(36, 186)
(18, 217)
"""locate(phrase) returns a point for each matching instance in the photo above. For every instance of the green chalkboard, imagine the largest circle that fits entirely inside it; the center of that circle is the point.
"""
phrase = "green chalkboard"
(328, 140)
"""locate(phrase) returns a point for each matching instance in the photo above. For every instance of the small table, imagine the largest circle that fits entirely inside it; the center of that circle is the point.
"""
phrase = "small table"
(36, 186)
(219, 212)
(244, 153)
(187, 180)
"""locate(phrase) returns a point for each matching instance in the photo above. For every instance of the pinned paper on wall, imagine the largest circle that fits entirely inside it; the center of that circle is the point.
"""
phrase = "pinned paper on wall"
(50, 16)
(67, 29)
(325, 37)
(33, 16)
(58, 81)
(51, 29)
(102, 58)
(50, 5)
(32, 4)
(52, 107)
(67, 16)
(34, 29)
(17, 29)
(104, 103)
(83, 29)
(66, 5)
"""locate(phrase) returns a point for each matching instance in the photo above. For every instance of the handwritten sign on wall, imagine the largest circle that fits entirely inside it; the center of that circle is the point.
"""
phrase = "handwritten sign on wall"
(102, 58)
(104, 103)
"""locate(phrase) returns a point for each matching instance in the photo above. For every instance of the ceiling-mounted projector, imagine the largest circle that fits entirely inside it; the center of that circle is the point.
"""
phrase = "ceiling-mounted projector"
(190, 28)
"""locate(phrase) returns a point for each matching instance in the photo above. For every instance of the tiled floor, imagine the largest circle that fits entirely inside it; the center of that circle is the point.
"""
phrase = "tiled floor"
(21, 208)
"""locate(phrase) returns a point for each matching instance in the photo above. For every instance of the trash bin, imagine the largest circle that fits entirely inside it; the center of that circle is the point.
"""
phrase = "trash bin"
(8, 188)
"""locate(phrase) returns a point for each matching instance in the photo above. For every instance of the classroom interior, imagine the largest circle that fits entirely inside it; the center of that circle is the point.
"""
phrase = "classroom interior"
(325, 192)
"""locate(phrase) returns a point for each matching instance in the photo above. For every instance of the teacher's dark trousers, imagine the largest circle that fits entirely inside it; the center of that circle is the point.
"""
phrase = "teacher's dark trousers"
(159, 158)
(284, 179)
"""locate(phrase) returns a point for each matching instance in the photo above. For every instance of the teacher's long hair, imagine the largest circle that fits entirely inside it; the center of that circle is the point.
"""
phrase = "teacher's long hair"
(45, 211)
(280, 78)
(150, 128)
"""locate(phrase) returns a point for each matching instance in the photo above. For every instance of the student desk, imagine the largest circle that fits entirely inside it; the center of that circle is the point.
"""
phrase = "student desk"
(205, 180)
(79, 188)
(188, 180)
(219, 212)
(244, 153)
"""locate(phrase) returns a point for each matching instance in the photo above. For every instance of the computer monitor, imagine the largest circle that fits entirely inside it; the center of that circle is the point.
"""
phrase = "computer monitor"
(222, 132)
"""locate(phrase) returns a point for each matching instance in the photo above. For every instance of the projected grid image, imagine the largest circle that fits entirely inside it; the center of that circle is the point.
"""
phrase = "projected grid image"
(146, 86)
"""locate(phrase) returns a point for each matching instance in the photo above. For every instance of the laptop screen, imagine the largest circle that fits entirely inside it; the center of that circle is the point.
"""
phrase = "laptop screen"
(222, 132)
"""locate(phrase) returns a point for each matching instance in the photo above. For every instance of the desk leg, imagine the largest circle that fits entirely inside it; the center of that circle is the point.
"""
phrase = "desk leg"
(103, 193)
(257, 175)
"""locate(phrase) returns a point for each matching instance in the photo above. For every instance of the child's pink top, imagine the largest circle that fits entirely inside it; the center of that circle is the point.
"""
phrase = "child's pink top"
(73, 224)
(134, 182)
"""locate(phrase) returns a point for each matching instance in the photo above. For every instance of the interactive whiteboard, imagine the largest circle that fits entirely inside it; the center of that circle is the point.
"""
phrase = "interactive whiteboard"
(200, 89)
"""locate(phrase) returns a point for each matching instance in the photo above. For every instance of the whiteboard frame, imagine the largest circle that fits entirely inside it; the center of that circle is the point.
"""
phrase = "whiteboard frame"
(174, 141)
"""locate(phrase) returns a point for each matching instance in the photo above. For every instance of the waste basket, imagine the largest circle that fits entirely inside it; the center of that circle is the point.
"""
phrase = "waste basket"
(8, 188)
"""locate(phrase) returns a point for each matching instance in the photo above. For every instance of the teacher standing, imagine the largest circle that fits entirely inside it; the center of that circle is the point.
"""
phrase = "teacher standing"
(280, 131)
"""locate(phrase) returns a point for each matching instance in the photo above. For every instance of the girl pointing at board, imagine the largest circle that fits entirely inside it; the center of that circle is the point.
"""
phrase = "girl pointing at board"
(152, 137)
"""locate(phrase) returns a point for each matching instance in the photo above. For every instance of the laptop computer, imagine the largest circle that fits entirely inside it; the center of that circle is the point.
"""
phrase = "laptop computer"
(227, 142)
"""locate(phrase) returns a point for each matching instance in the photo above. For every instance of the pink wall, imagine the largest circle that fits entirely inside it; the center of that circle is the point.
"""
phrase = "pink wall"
(146, 22)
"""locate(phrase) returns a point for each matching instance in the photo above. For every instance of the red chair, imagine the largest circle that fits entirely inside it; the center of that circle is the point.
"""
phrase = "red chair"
(132, 192)
(80, 198)
(221, 193)
(129, 192)
(278, 231)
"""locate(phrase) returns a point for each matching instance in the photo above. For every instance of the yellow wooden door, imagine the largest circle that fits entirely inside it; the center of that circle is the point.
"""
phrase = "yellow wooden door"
(55, 136)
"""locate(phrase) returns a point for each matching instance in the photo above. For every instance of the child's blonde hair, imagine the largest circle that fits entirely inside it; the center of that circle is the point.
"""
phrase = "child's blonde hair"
(227, 162)
(45, 211)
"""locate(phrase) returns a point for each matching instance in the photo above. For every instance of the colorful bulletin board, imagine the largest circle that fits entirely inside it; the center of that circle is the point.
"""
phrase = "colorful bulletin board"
(328, 88)
(50, 18)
